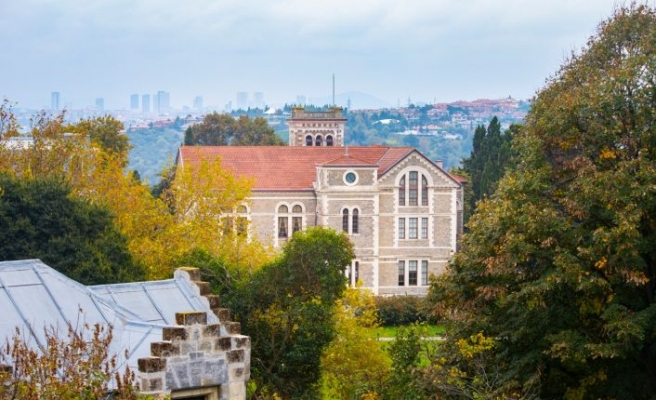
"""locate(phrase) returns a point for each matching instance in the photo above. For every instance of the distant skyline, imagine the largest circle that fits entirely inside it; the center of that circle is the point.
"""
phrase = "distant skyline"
(424, 50)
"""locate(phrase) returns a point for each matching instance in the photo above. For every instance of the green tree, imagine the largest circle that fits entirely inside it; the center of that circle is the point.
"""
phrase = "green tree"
(287, 309)
(560, 265)
(38, 219)
(223, 130)
(106, 133)
(490, 157)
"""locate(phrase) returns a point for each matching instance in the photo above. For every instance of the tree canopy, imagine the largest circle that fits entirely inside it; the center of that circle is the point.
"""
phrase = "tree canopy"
(287, 309)
(38, 219)
(223, 130)
(558, 274)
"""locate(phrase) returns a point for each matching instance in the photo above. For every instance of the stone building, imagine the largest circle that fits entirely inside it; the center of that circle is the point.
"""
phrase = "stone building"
(177, 338)
(402, 211)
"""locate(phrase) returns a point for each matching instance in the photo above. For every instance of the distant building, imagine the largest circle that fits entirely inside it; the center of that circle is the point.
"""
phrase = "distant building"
(100, 104)
(134, 102)
(145, 103)
(161, 102)
(402, 211)
(198, 103)
(258, 100)
(242, 100)
(54, 101)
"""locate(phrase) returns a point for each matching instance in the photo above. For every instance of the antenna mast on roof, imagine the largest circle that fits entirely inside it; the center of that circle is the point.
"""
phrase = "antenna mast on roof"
(334, 90)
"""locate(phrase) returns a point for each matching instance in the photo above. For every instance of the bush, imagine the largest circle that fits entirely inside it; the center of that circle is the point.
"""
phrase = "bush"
(403, 310)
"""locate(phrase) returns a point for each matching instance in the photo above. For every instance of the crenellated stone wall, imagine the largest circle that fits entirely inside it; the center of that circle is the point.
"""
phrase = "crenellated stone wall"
(196, 354)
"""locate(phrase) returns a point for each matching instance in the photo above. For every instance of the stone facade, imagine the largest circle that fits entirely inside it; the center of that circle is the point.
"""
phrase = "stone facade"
(196, 358)
(402, 211)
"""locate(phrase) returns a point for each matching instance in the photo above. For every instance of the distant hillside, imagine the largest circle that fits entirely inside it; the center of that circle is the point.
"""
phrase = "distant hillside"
(152, 149)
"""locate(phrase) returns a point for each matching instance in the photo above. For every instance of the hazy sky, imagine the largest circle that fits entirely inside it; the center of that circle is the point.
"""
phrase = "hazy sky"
(425, 50)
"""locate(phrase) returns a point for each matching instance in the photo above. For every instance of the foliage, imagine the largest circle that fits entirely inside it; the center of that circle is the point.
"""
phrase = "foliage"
(559, 267)
(38, 219)
(490, 157)
(406, 353)
(153, 150)
(106, 133)
(287, 309)
(77, 367)
(402, 310)
(8, 124)
(158, 234)
(223, 130)
(354, 365)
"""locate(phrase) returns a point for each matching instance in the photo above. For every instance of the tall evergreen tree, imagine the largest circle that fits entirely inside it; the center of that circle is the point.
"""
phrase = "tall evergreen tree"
(491, 156)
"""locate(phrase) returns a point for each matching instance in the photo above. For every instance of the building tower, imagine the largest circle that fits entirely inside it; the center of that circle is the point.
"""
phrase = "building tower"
(145, 103)
(54, 101)
(316, 128)
(134, 102)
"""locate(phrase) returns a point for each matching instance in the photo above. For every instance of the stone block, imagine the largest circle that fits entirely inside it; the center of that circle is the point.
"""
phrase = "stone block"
(194, 273)
(223, 343)
(222, 313)
(151, 364)
(173, 333)
(191, 318)
(213, 330)
(214, 300)
(203, 287)
(164, 349)
(241, 342)
(235, 356)
(233, 328)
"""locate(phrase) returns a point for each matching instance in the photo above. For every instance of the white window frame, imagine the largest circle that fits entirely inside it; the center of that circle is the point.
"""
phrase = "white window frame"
(421, 272)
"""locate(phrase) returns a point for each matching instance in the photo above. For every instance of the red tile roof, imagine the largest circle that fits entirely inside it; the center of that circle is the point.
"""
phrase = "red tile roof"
(291, 168)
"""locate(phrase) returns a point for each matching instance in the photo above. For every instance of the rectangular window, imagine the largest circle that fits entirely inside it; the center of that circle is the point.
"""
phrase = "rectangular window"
(424, 191)
(401, 273)
(424, 228)
(402, 192)
(227, 225)
(354, 222)
(401, 228)
(424, 272)
(297, 224)
(345, 220)
(282, 227)
(357, 271)
(412, 228)
(413, 188)
(412, 273)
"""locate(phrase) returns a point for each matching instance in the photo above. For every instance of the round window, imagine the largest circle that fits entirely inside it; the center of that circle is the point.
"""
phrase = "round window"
(350, 177)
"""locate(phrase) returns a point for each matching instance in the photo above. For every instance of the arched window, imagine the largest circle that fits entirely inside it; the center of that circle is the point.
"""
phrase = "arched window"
(297, 218)
(416, 188)
(319, 141)
(412, 190)
(424, 191)
(242, 220)
(308, 140)
(283, 228)
(329, 140)
(345, 220)
(354, 221)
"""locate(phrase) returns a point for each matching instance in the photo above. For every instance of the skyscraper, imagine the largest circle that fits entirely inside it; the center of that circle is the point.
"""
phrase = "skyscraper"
(145, 103)
(258, 100)
(161, 102)
(54, 101)
(100, 104)
(242, 100)
(198, 103)
(134, 102)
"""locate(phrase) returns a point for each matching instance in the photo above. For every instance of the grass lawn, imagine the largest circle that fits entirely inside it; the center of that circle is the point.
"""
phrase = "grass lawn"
(390, 331)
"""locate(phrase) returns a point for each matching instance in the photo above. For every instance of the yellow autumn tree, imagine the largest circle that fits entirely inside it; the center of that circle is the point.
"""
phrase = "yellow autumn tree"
(208, 204)
(354, 365)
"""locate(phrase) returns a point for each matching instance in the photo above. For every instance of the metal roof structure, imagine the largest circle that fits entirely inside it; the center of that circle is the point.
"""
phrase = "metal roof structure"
(35, 297)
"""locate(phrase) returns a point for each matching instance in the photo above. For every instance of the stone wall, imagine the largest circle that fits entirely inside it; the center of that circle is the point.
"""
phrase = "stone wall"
(196, 354)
